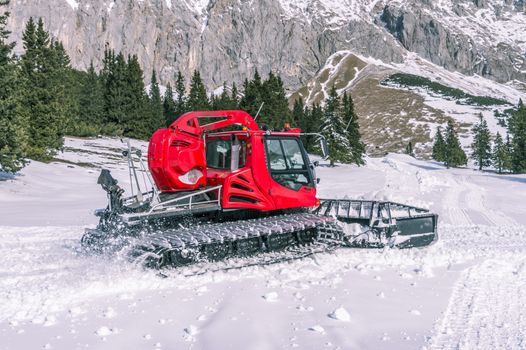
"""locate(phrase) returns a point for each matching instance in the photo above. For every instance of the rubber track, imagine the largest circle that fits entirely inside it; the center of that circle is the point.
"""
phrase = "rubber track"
(184, 246)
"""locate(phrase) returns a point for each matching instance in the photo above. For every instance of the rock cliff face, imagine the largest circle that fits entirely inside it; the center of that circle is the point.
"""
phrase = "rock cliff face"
(473, 37)
(227, 39)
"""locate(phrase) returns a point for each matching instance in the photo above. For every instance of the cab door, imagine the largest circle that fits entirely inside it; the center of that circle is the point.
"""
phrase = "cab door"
(292, 184)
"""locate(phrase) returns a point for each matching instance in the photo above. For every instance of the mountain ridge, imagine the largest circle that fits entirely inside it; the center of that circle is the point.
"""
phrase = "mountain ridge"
(228, 39)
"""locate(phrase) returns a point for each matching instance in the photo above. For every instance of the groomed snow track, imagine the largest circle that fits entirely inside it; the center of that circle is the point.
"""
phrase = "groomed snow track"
(487, 308)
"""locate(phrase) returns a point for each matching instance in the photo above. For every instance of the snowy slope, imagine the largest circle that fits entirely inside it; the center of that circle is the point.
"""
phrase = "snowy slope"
(52, 295)
(406, 113)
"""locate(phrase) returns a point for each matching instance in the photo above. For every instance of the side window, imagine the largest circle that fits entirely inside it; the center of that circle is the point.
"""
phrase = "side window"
(219, 154)
(275, 155)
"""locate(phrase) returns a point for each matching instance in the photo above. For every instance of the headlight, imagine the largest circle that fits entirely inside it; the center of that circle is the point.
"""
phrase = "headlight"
(191, 177)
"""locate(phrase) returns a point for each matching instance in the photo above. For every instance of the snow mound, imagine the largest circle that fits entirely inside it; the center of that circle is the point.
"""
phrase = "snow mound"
(340, 314)
(271, 297)
(190, 332)
(317, 328)
(415, 312)
(104, 331)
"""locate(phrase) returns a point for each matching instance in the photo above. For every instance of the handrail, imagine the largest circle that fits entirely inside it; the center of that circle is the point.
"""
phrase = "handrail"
(376, 201)
(191, 195)
(368, 209)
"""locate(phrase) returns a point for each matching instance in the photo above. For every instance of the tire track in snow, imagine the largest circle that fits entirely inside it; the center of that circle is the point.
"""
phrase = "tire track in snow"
(456, 212)
(487, 309)
(467, 205)
(476, 200)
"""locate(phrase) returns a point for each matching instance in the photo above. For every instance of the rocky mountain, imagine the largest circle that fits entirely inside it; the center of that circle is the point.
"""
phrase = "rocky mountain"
(227, 39)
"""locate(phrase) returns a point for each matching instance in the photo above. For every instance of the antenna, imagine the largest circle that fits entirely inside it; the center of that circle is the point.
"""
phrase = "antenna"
(259, 110)
(349, 123)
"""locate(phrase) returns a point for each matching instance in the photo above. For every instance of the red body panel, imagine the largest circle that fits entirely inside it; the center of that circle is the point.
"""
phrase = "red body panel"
(180, 148)
(172, 154)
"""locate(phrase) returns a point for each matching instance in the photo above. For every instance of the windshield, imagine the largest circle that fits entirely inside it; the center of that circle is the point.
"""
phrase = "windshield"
(287, 164)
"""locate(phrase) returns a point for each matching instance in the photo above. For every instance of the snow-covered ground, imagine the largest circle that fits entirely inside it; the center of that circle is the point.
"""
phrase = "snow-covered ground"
(468, 291)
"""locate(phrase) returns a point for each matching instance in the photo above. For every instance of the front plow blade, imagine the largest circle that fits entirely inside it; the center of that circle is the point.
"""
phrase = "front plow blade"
(416, 231)
(384, 223)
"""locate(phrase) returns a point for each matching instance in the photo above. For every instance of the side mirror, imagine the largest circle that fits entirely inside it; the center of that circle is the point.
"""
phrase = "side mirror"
(317, 180)
(324, 147)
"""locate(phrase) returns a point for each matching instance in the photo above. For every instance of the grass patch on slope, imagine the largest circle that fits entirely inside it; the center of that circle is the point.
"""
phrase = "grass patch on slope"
(461, 97)
(390, 118)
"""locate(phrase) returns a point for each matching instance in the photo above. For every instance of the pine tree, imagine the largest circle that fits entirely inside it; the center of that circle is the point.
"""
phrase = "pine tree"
(92, 101)
(197, 97)
(300, 119)
(108, 63)
(44, 100)
(91, 104)
(114, 74)
(13, 130)
(308, 120)
(169, 105)
(314, 118)
(252, 98)
(298, 114)
(234, 96)
(224, 101)
(500, 155)
(30, 47)
(439, 147)
(454, 155)
(352, 128)
(333, 128)
(127, 106)
(508, 161)
(137, 107)
(67, 81)
(156, 109)
(275, 111)
(481, 146)
(409, 149)
(517, 129)
(180, 92)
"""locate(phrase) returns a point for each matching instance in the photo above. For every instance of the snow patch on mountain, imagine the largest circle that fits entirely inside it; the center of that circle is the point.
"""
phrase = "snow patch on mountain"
(492, 24)
(74, 4)
(110, 6)
(336, 12)
(475, 84)
(198, 6)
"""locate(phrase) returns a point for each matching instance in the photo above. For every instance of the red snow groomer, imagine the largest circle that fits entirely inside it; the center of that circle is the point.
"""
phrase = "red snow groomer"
(221, 186)
(248, 168)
